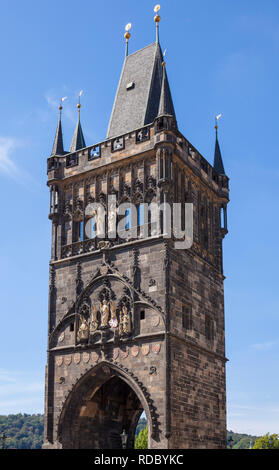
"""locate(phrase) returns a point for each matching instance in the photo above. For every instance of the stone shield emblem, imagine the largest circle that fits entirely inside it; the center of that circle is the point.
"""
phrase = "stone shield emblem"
(59, 361)
(68, 360)
(145, 349)
(156, 348)
(77, 358)
(135, 351)
(115, 353)
(124, 353)
(85, 357)
(94, 356)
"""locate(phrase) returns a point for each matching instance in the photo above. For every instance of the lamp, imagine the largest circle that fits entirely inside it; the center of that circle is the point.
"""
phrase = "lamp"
(124, 438)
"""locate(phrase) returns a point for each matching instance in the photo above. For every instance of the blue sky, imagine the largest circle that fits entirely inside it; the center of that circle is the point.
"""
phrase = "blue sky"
(221, 58)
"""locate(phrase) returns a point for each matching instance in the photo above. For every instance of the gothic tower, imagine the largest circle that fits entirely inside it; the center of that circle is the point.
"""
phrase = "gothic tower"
(135, 324)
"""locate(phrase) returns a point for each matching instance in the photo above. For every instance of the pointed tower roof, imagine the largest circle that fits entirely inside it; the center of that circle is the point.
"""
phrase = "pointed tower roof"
(58, 147)
(218, 161)
(78, 141)
(138, 96)
(166, 105)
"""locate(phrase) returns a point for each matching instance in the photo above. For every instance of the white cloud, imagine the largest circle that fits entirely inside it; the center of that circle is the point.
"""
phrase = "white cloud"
(252, 419)
(8, 145)
(21, 392)
(264, 346)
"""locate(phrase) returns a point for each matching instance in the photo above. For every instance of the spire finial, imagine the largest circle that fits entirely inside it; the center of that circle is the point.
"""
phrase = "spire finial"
(157, 20)
(60, 106)
(218, 161)
(127, 36)
(216, 123)
(79, 105)
(58, 147)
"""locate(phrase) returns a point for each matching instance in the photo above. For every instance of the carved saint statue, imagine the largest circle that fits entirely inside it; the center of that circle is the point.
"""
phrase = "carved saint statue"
(113, 321)
(104, 308)
(94, 320)
(125, 322)
(83, 332)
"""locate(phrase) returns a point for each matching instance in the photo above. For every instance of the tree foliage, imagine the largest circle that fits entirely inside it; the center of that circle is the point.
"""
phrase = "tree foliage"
(268, 441)
(141, 441)
(22, 431)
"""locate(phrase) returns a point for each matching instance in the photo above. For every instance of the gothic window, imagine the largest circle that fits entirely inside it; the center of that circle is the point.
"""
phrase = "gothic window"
(209, 328)
(71, 160)
(128, 219)
(72, 327)
(142, 315)
(118, 144)
(67, 232)
(223, 217)
(78, 231)
(142, 135)
(140, 210)
(94, 152)
(92, 227)
(187, 320)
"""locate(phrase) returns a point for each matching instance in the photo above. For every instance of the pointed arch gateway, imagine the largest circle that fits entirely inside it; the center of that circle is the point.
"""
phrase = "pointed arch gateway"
(103, 403)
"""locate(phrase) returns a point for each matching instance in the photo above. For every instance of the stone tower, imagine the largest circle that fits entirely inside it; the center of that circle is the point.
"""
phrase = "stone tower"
(134, 323)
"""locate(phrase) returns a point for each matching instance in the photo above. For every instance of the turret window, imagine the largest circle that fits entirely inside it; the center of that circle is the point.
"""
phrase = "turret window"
(187, 320)
(209, 328)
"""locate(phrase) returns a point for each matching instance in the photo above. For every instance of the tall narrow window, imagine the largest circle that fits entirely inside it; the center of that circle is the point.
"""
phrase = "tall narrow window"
(141, 214)
(128, 219)
(223, 217)
(187, 321)
(209, 328)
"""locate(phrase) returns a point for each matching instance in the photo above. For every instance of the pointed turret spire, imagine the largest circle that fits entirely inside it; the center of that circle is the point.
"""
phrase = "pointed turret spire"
(78, 141)
(218, 161)
(166, 105)
(58, 147)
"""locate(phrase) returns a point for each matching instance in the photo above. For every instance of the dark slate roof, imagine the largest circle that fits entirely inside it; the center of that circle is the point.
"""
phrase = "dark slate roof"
(139, 105)
(78, 141)
(218, 161)
(58, 147)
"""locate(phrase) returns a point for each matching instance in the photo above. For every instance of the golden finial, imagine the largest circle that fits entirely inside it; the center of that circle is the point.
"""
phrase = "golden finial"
(127, 36)
(61, 101)
(79, 96)
(157, 20)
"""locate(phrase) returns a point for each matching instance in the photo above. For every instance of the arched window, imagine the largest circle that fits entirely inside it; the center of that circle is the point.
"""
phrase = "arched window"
(128, 219)
(140, 214)
(223, 217)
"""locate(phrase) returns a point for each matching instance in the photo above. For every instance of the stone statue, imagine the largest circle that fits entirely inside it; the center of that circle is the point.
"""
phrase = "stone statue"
(104, 308)
(126, 321)
(113, 321)
(94, 320)
(120, 329)
(83, 332)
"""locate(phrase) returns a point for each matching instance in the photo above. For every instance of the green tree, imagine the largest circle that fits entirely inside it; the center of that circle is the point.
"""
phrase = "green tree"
(141, 441)
(269, 441)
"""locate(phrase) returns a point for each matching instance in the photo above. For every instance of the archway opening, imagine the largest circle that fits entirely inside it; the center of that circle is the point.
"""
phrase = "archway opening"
(106, 417)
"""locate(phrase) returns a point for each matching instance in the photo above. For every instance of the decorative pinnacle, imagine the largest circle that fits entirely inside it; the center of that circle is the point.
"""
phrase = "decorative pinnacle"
(216, 121)
(61, 101)
(79, 96)
(127, 36)
(157, 20)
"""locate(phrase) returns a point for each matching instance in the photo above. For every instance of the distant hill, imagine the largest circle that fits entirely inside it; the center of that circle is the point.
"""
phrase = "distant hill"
(25, 431)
